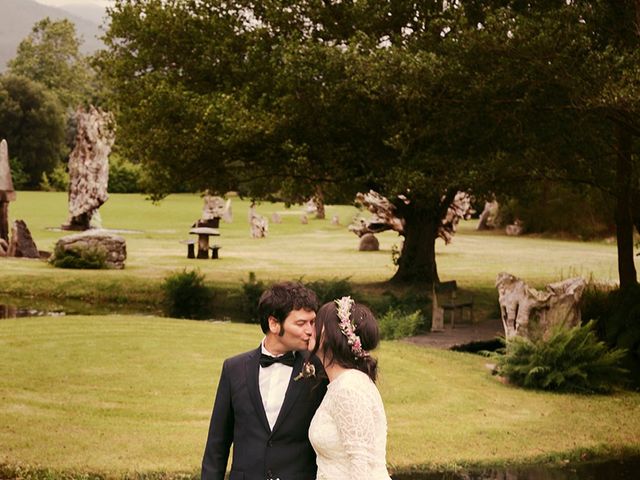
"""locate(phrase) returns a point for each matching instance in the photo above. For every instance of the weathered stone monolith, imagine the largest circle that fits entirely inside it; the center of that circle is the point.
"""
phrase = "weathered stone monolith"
(7, 193)
(259, 225)
(21, 243)
(89, 167)
(532, 313)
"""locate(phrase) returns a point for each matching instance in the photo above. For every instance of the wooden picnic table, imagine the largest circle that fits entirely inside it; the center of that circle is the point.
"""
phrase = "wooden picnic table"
(203, 241)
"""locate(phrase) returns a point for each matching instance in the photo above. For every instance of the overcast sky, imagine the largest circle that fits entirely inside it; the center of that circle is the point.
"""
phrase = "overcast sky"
(58, 3)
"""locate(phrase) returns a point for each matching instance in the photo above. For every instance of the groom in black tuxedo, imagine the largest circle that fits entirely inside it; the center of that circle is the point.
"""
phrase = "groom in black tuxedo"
(260, 408)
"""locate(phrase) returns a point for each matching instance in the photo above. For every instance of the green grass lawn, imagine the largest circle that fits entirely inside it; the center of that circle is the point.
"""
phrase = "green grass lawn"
(318, 250)
(122, 394)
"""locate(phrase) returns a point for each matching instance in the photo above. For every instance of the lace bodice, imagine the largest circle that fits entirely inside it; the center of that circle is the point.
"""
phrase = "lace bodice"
(349, 430)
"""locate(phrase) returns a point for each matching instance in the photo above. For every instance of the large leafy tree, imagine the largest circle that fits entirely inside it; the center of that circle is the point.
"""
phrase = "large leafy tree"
(417, 100)
(50, 54)
(32, 122)
(280, 97)
(562, 79)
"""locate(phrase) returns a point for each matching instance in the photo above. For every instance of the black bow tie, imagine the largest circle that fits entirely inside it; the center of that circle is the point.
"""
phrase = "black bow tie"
(268, 360)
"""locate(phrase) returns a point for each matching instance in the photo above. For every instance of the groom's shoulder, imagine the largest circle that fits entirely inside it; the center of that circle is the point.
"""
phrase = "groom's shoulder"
(241, 358)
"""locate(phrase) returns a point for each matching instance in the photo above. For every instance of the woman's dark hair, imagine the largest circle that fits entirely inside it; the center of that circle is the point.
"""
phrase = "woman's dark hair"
(336, 348)
(281, 299)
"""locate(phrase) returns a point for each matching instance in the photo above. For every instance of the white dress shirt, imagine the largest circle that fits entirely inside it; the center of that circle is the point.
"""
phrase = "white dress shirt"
(273, 381)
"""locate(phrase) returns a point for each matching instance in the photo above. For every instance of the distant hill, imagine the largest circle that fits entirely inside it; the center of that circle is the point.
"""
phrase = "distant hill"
(17, 18)
(90, 12)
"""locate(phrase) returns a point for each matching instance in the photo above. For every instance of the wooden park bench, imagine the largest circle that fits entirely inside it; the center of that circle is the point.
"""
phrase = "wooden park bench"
(447, 298)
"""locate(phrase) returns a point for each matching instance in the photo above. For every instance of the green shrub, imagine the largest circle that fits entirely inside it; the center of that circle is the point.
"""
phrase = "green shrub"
(570, 360)
(551, 207)
(19, 177)
(617, 316)
(92, 258)
(186, 296)
(619, 326)
(330, 290)
(55, 181)
(124, 176)
(252, 290)
(396, 323)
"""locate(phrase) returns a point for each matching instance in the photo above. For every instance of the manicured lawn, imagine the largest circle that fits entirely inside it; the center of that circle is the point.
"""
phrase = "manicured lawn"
(318, 250)
(123, 394)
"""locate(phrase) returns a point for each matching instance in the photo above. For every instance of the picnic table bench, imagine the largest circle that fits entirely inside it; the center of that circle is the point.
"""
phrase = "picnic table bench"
(203, 242)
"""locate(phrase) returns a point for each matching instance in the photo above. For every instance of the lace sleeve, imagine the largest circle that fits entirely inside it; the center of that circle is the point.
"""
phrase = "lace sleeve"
(353, 412)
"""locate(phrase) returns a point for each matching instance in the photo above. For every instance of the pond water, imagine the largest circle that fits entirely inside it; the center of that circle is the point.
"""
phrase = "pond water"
(15, 307)
(620, 469)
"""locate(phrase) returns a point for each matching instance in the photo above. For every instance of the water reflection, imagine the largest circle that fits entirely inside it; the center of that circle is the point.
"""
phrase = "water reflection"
(623, 469)
(15, 307)
(13, 311)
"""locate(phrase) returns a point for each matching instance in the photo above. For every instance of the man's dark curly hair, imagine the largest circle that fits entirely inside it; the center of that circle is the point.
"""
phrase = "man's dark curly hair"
(281, 299)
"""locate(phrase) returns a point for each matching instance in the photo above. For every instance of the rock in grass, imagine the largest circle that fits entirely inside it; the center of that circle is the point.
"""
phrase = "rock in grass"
(91, 241)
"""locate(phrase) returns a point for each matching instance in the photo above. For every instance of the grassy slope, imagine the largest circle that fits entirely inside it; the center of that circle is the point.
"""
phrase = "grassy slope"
(119, 394)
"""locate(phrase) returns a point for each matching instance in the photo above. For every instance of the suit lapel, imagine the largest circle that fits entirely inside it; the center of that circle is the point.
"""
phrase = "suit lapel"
(293, 390)
(252, 368)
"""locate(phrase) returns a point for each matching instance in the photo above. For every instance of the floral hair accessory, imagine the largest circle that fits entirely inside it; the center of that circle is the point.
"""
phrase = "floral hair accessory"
(308, 371)
(348, 326)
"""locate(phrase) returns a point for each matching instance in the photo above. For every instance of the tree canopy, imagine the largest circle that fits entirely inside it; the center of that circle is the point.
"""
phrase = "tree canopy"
(50, 55)
(417, 100)
(32, 122)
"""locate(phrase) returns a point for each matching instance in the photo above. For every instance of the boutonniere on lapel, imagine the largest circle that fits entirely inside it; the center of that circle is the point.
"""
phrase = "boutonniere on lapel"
(308, 371)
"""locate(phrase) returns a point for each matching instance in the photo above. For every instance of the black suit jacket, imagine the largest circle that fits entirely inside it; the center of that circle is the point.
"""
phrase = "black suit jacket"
(238, 417)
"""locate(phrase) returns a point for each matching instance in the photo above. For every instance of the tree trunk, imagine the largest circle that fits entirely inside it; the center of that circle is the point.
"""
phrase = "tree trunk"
(417, 262)
(624, 217)
(318, 199)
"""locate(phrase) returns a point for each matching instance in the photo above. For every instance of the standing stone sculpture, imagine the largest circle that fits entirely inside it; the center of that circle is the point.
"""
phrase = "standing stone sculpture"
(89, 167)
(259, 225)
(315, 205)
(7, 193)
(21, 243)
(531, 313)
(487, 220)
(213, 210)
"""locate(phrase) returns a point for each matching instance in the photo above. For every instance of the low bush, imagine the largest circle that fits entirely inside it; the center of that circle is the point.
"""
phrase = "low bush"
(617, 316)
(570, 360)
(186, 296)
(251, 290)
(330, 290)
(92, 258)
(408, 301)
(124, 175)
(56, 181)
(396, 323)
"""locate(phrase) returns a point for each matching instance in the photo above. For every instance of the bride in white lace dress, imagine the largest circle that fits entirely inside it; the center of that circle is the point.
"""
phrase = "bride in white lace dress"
(349, 429)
